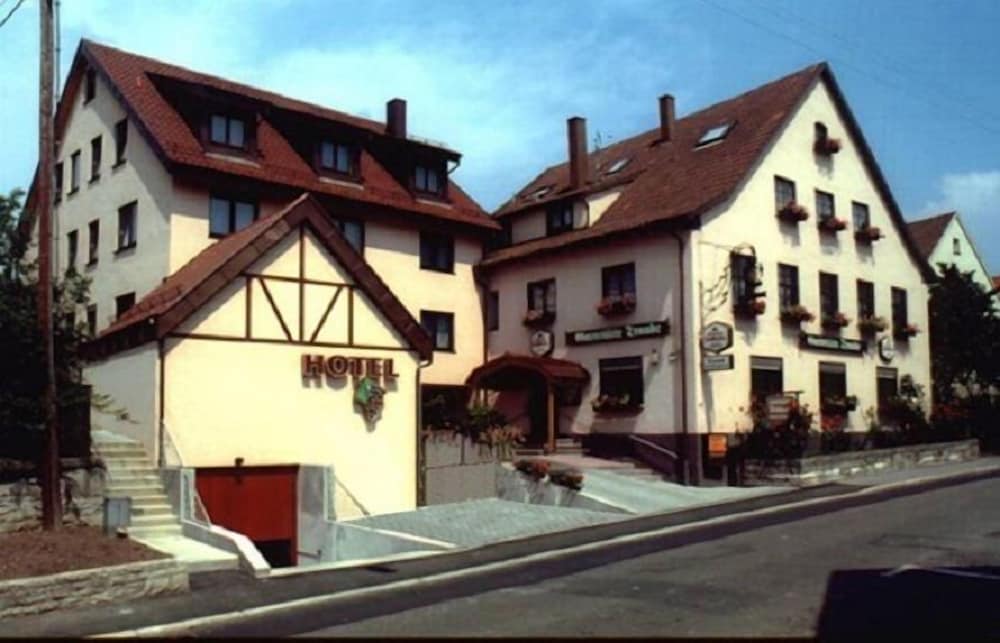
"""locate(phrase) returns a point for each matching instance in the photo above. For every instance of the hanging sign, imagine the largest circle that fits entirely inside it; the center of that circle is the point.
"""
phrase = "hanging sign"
(779, 408)
(717, 362)
(618, 333)
(542, 342)
(716, 337)
(828, 343)
(886, 349)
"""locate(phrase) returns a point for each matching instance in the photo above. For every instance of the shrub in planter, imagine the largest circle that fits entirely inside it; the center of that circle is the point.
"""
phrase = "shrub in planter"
(793, 212)
(537, 469)
(827, 146)
(617, 304)
(796, 314)
(832, 224)
(869, 325)
(835, 321)
(750, 308)
(868, 234)
(538, 317)
(608, 403)
(905, 332)
(567, 478)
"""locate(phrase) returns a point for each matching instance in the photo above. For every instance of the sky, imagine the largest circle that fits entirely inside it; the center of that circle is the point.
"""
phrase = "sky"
(497, 80)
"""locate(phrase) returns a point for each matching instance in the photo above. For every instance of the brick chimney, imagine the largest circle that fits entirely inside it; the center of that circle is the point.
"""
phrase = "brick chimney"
(666, 117)
(576, 131)
(395, 118)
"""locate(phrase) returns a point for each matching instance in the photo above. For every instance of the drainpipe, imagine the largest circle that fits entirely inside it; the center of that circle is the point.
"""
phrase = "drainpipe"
(421, 486)
(685, 450)
(161, 457)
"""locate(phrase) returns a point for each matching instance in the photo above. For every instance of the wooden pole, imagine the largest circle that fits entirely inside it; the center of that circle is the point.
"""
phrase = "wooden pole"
(550, 414)
(51, 476)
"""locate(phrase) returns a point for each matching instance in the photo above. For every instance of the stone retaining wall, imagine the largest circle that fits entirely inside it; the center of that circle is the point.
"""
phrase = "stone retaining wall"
(457, 469)
(83, 498)
(88, 587)
(818, 469)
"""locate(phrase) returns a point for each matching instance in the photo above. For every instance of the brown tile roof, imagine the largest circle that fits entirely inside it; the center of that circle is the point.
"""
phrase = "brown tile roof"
(559, 371)
(996, 281)
(133, 76)
(182, 293)
(671, 183)
(927, 232)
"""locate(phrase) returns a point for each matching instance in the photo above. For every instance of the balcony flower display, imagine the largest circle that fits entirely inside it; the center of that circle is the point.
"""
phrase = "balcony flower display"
(906, 332)
(750, 308)
(832, 224)
(796, 314)
(606, 403)
(617, 304)
(836, 320)
(827, 146)
(539, 317)
(870, 325)
(793, 212)
(868, 234)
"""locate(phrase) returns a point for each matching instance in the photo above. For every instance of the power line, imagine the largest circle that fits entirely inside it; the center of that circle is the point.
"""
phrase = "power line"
(11, 12)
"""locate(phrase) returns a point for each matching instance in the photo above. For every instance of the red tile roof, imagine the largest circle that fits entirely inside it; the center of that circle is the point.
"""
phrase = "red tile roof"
(927, 232)
(671, 183)
(182, 293)
(132, 78)
(559, 371)
(996, 281)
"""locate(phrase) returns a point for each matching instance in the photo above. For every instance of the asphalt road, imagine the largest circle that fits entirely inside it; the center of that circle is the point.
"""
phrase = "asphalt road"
(913, 565)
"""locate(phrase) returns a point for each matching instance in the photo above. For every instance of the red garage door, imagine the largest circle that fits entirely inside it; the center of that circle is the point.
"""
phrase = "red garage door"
(259, 502)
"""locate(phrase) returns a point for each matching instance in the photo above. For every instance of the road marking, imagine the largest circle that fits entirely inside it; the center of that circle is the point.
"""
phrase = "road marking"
(939, 570)
(187, 627)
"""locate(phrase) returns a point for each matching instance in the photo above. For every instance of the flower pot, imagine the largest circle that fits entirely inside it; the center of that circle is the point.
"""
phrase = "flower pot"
(796, 315)
(832, 224)
(793, 212)
(827, 146)
(535, 318)
(868, 235)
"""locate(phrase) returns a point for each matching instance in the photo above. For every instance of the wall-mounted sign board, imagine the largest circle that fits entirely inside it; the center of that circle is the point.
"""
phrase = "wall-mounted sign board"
(717, 362)
(830, 343)
(716, 337)
(618, 333)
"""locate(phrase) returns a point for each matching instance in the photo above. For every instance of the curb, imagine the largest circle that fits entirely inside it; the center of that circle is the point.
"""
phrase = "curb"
(202, 626)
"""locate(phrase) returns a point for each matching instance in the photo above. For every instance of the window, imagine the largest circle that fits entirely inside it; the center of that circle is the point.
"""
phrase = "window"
(788, 286)
(829, 299)
(437, 252)
(493, 311)
(956, 247)
(336, 157)
(226, 216)
(765, 378)
(427, 179)
(72, 244)
(90, 86)
(866, 299)
(121, 140)
(899, 316)
(74, 172)
(784, 192)
(832, 386)
(440, 326)
(713, 134)
(744, 277)
(227, 130)
(95, 159)
(886, 388)
(126, 226)
(824, 205)
(559, 218)
(58, 184)
(861, 216)
(95, 236)
(123, 303)
(354, 231)
(821, 132)
(617, 281)
(92, 320)
(542, 296)
(622, 376)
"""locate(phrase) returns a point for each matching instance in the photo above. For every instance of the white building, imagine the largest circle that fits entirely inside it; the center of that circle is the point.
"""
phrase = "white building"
(942, 239)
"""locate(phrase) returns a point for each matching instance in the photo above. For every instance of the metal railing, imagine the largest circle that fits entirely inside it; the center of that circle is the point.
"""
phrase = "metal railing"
(655, 447)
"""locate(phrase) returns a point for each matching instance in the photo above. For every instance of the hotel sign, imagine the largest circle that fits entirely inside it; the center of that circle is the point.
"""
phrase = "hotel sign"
(828, 343)
(618, 333)
(338, 366)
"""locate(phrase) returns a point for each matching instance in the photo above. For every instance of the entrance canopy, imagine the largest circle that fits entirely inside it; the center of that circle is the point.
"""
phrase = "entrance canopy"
(508, 372)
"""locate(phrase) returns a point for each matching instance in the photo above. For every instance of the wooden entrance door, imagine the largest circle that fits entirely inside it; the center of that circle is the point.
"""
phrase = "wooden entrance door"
(259, 502)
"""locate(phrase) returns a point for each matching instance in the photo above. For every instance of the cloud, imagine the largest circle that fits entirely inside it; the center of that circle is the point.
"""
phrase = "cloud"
(976, 197)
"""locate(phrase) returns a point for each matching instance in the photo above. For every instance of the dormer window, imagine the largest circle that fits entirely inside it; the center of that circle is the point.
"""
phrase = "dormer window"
(428, 180)
(714, 134)
(228, 131)
(337, 157)
(559, 218)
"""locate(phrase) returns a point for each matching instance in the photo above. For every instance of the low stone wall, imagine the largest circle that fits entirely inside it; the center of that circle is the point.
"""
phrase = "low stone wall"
(88, 587)
(818, 469)
(83, 498)
(457, 469)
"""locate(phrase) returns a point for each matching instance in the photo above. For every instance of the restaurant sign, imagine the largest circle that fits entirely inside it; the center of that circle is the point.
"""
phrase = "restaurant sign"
(618, 333)
(830, 343)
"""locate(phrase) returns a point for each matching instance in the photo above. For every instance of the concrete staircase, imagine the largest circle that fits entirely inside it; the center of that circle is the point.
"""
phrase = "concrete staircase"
(636, 469)
(131, 473)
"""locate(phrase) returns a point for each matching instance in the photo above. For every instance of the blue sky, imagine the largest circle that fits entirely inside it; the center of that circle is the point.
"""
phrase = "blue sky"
(496, 80)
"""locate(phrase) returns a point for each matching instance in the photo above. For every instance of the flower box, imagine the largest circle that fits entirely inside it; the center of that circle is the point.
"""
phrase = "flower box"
(827, 146)
(612, 403)
(750, 308)
(796, 315)
(537, 469)
(839, 405)
(868, 235)
(617, 305)
(567, 478)
(869, 325)
(832, 224)
(835, 321)
(539, 317)
(905, 332)
(793, 212)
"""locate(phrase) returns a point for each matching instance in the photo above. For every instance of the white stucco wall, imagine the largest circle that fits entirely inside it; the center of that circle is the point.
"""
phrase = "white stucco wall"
(586, 211)
(132, 380)
(749, 219)
(967, 261)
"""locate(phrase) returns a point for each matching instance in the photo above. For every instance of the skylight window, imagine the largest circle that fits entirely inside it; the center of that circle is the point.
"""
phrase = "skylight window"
(617, 166)
(714, 134)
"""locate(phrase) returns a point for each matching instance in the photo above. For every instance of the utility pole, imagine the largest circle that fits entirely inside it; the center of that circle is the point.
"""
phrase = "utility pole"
(51, 476)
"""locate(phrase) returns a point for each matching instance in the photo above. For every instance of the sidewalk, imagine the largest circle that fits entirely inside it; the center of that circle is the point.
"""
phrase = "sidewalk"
(217, 593)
